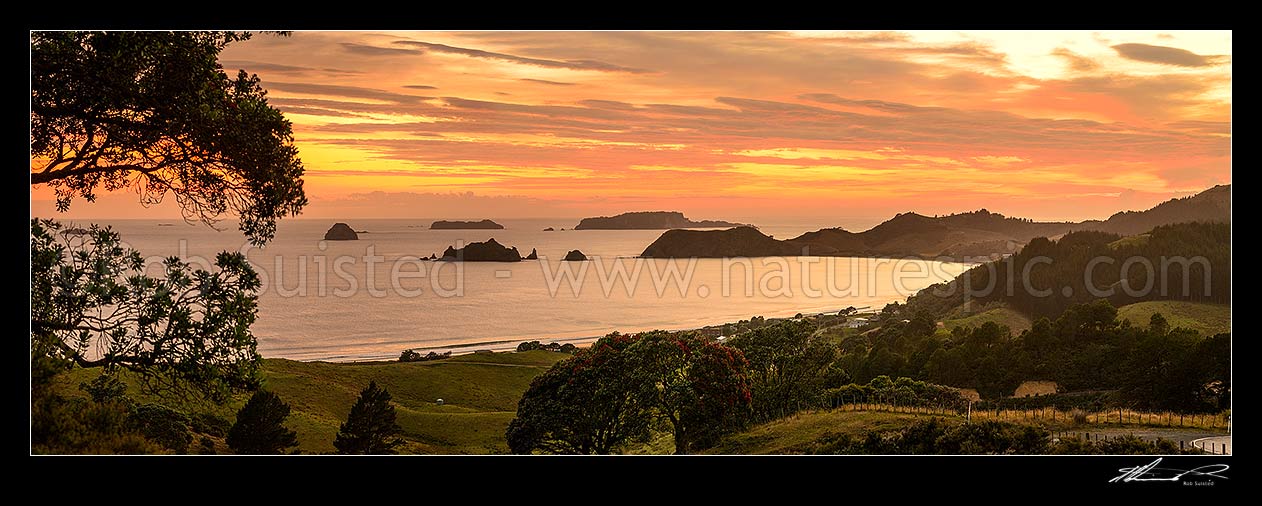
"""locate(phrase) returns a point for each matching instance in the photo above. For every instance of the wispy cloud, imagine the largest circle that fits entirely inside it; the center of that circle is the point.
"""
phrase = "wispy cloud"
(254, 66)
(1076, 62)
(595, 65)
(1035, 124)
(545, 81)
(368, 50)
(344, 91)
(1165, 55)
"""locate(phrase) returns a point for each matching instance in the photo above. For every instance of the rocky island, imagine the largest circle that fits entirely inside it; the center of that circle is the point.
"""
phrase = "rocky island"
(341, 232)
(465, 225)
(575, 256)
(489, 251)
(649, 220)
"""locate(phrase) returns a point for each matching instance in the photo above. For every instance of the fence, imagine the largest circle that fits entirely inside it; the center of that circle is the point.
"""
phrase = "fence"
(1120, 417)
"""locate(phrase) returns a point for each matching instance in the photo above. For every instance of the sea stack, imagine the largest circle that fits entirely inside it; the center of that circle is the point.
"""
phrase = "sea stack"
(341, 232)
(575, 256)
(534, 255)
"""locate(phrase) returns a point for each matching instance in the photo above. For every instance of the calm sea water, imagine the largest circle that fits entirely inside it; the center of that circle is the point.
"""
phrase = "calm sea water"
(371, 298)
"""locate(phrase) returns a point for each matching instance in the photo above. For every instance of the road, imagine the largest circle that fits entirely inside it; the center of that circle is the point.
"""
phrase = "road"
(1211, 439)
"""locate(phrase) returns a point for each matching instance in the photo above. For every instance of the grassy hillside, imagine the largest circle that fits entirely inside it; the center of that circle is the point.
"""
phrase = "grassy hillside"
(809, 432)
(798, 433)
(1208, 319)
(1001, 315)
(479, 392)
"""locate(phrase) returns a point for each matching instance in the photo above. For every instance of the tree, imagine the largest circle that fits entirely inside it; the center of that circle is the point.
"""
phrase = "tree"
(787, 366)
(187, 331)
(370, 429)
(698, 385)
(155, 111)
(260, 429)
(592, 403)
(1214, 357)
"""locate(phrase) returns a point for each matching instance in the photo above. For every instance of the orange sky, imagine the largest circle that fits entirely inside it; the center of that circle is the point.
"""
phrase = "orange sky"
(774, 125)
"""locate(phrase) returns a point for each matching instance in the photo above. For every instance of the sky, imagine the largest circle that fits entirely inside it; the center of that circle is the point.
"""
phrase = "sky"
(772, 126)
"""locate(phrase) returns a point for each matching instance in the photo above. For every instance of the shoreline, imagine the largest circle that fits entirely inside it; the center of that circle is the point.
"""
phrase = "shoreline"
(499, 345)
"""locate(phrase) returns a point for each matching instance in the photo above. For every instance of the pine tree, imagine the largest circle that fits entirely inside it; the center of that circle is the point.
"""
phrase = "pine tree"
(260, 429)
(371, 427)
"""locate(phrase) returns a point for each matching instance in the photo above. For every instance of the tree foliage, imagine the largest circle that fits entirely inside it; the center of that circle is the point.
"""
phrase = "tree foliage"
(154, 111)
(187, 331)
(698, 385)
(788, 364)
(1183, 261)
(370, 429)
(607, 395)
(592, 403)
(260, 426)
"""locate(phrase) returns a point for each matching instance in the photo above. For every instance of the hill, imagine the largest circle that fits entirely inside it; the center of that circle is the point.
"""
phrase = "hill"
(977, 235)
(800, 434)
(479, 392)
(1210, 206)
(733, 242)
(649, 220)
(1001, 315)
(1206, 319)
(1195, 254)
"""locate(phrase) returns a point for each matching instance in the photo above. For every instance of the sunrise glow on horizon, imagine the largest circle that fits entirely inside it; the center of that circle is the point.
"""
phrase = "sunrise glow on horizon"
(732, 125)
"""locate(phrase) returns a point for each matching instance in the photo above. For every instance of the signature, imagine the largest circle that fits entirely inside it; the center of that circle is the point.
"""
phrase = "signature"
(1151, 472)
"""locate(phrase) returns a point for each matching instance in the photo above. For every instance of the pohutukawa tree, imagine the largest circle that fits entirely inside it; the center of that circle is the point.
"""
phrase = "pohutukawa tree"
(788, 364)
(155, 112)
(187, 331)
(593, 403)
(698, 385)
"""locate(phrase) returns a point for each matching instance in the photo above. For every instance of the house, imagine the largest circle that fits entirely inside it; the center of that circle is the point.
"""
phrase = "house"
(855, 323)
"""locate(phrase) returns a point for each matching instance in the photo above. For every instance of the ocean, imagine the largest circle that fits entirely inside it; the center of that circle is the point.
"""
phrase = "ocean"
(372, 298)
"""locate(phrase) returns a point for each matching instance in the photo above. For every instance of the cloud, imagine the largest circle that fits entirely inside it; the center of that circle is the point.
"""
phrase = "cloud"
(367, 50)
(1076, 62)
(1165, 55)
(802, 122)
(254, 66)
(609, 138)
(343, 91)
(453, 205)
(1151, 94)
(316, 111)
(544, 81)
(876, 37)
(538, 62)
